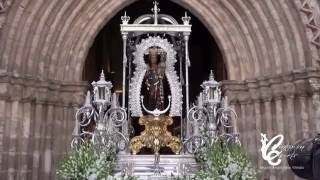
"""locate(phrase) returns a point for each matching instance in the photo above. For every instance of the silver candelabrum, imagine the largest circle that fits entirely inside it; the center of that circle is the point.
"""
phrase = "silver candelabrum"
(101, 120)
(210, 119)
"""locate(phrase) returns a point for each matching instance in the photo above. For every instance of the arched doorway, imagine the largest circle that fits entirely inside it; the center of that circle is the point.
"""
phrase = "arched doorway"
(106, 51)
(106, 54)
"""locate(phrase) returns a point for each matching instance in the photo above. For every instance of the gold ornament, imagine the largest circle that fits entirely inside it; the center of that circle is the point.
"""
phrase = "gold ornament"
(155, 135)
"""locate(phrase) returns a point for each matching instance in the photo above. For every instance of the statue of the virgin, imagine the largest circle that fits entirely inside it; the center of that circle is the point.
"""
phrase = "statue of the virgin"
(154, 79)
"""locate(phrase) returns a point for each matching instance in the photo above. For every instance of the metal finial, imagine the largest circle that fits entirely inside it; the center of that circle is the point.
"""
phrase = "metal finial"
(186, 19)
(125, 19)
(211, 77)
(155, 11)
(88, 99)
(102, 77)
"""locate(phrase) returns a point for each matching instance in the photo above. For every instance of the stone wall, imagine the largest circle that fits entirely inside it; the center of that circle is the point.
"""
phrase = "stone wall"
(287, 104)
(256, 38)
(270, 48)
(36, 122)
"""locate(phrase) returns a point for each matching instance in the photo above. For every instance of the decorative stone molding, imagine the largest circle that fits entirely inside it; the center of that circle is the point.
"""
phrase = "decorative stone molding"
(297, 83)
(312, 11)
(31, 89)
(289, 89)
(314, 85)
(301, 88)
(276, 91)
(4, 6)
(245, 98)
(265, 91)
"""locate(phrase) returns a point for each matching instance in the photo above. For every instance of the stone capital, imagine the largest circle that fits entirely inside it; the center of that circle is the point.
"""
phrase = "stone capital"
(301, 87)
(289, 89)
(243, 97)
(255, 94)
(30, 89)
(266, 93)
(278, 97)
(314, 85)
(277, 90)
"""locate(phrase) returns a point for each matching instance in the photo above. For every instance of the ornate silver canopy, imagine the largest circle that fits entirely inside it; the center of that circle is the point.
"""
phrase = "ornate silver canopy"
(159, 25)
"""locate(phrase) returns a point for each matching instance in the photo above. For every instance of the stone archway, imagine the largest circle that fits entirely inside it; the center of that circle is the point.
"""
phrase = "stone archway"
(252, 42)
(43, 46)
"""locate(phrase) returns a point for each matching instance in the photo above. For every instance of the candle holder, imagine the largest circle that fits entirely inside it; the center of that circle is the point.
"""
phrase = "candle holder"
(210, 119)
(101, 120)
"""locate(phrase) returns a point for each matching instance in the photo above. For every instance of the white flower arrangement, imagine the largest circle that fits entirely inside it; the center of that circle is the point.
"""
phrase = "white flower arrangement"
(87, 163)
(224, 161)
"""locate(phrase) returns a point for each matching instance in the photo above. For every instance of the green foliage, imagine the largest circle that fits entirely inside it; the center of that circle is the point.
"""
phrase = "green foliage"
(226, 162)
(87, 163)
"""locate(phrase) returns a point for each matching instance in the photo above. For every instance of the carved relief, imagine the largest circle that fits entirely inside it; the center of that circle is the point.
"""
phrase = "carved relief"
(4, 5)
(312, 11)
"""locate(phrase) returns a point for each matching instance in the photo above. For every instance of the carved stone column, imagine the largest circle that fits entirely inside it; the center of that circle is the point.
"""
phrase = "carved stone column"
(278, 126)
(2, 124)
(303, 128)
(47, 143)
(266, 97)
(315, 91)
(13, 148)
(243, 97)
(38, 118)
(243, 124)
(24, 140)
(279, 114)
(6, 117)
(255, 116)
(251, 130)
(290, 112)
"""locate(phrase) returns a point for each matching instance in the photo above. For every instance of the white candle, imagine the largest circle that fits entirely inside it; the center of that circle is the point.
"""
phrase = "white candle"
(196, 129)
(200, 103)
(76, 128)
(88, 99)
(226, 101)
(114, 100)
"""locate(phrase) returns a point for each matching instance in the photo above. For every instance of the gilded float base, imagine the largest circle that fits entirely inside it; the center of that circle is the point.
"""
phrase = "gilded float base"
(155, 135)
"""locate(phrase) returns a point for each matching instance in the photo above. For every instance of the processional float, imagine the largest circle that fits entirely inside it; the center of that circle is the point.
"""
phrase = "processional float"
(155, 79)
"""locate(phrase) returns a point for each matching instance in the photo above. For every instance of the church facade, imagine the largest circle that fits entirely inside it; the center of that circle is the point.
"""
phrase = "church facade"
(270, 49)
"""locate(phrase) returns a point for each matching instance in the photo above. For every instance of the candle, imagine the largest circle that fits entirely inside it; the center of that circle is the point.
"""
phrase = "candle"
(114, 100)
(76, 128)
(88, 99)
(225, 101)
(200, 100)
(196, 129)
